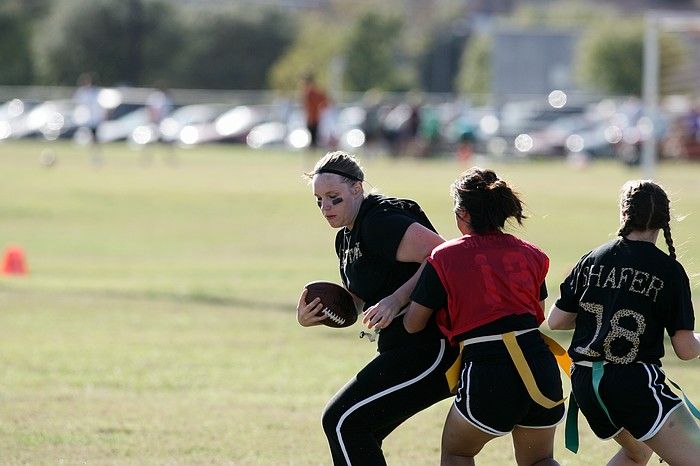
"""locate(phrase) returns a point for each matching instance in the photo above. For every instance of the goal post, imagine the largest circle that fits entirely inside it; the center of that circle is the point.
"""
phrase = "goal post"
(650, 90)
(656, 23)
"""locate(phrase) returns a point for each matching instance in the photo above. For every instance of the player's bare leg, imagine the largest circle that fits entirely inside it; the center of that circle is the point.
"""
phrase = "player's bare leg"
(534, 446)
(678, 441)
(633, 452)
(461, 441)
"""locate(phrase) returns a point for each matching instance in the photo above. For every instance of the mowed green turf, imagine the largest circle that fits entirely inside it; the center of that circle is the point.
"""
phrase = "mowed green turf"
(157, 324)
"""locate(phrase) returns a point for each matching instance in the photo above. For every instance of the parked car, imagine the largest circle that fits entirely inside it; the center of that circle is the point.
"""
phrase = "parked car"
(267, 134)
(288, 129)
(350, 127)
(232, 125)
(519, 120)
(122, 128)
(51, 119)
(236, 124)
(181, 125)
(589, 133)
(10, 113)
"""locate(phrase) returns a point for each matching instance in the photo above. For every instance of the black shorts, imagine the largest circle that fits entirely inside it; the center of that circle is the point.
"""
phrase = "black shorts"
(491, 394)
(636, 396)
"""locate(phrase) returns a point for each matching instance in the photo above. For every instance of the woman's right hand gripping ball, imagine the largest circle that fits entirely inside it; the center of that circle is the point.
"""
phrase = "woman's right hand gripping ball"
(309, 314)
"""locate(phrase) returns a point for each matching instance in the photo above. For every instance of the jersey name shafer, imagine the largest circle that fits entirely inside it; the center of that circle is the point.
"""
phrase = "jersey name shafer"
(633, 280)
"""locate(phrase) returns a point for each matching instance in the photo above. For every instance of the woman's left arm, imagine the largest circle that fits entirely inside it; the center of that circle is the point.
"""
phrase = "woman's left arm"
(416, 317)
(561, 320)
(416, 245)
(686, 344)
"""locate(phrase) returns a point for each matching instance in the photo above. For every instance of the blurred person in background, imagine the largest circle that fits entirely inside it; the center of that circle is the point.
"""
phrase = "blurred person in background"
(372, 124)
(412, 135)
(328, 128)
(159, 105)
(466, 138)
(692, 141)
(428, 139)
(400, 126)
(315, 101)
(89, 113)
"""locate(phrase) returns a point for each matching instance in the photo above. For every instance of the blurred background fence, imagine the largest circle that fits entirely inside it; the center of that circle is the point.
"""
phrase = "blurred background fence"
(523, 78)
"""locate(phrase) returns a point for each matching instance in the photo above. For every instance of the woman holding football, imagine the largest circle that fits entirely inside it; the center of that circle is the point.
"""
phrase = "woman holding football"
(619, 299)
(381, 244)
(487, 289)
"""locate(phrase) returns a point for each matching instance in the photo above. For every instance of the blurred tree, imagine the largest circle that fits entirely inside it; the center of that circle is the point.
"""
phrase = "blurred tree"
(15, 48)
(440, 62)
(444, 27)
(379, 44)
(427, 47)
(610, 52)
(30, 9)
(162, 38)
(229, 50)
(563, 14)
(374, 58)
(420, 19)
(611, 57)
(474, 77)
(316, 45)
(129, 42)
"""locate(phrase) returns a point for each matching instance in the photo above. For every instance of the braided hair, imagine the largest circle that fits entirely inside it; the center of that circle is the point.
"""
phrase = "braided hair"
(488, 199)
(644, 205)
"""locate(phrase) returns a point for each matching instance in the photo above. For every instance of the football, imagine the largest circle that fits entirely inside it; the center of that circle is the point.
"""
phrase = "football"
(338, 305)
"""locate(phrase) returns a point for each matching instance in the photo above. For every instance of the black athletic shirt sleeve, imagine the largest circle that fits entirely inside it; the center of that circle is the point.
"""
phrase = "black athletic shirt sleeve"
(543, 291)
(568, 300)
(680, 315)
(386, 228)
(429, 291)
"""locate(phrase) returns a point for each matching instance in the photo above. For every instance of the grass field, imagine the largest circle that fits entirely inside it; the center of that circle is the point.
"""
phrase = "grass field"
(157, 324)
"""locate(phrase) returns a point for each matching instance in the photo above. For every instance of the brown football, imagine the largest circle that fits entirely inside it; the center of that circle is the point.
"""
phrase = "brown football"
(338, 305)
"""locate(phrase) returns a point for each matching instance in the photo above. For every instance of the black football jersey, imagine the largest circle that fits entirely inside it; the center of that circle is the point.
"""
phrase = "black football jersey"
(625, 293)
(367, 255)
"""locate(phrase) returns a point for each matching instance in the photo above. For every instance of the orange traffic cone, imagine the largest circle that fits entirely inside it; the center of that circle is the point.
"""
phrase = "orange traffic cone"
(14, 262)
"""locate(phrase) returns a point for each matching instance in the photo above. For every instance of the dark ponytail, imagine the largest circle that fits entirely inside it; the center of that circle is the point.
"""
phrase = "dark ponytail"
(488, 199)
(644, 205)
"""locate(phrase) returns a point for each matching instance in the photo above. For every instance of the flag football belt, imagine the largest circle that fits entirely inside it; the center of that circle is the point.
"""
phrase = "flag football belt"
(597, 367)
(516, 354)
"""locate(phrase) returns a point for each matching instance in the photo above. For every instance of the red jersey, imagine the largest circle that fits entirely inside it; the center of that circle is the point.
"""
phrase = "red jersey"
(486, 278)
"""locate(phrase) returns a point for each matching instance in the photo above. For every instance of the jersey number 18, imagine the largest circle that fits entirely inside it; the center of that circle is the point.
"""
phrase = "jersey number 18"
(616, 331)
